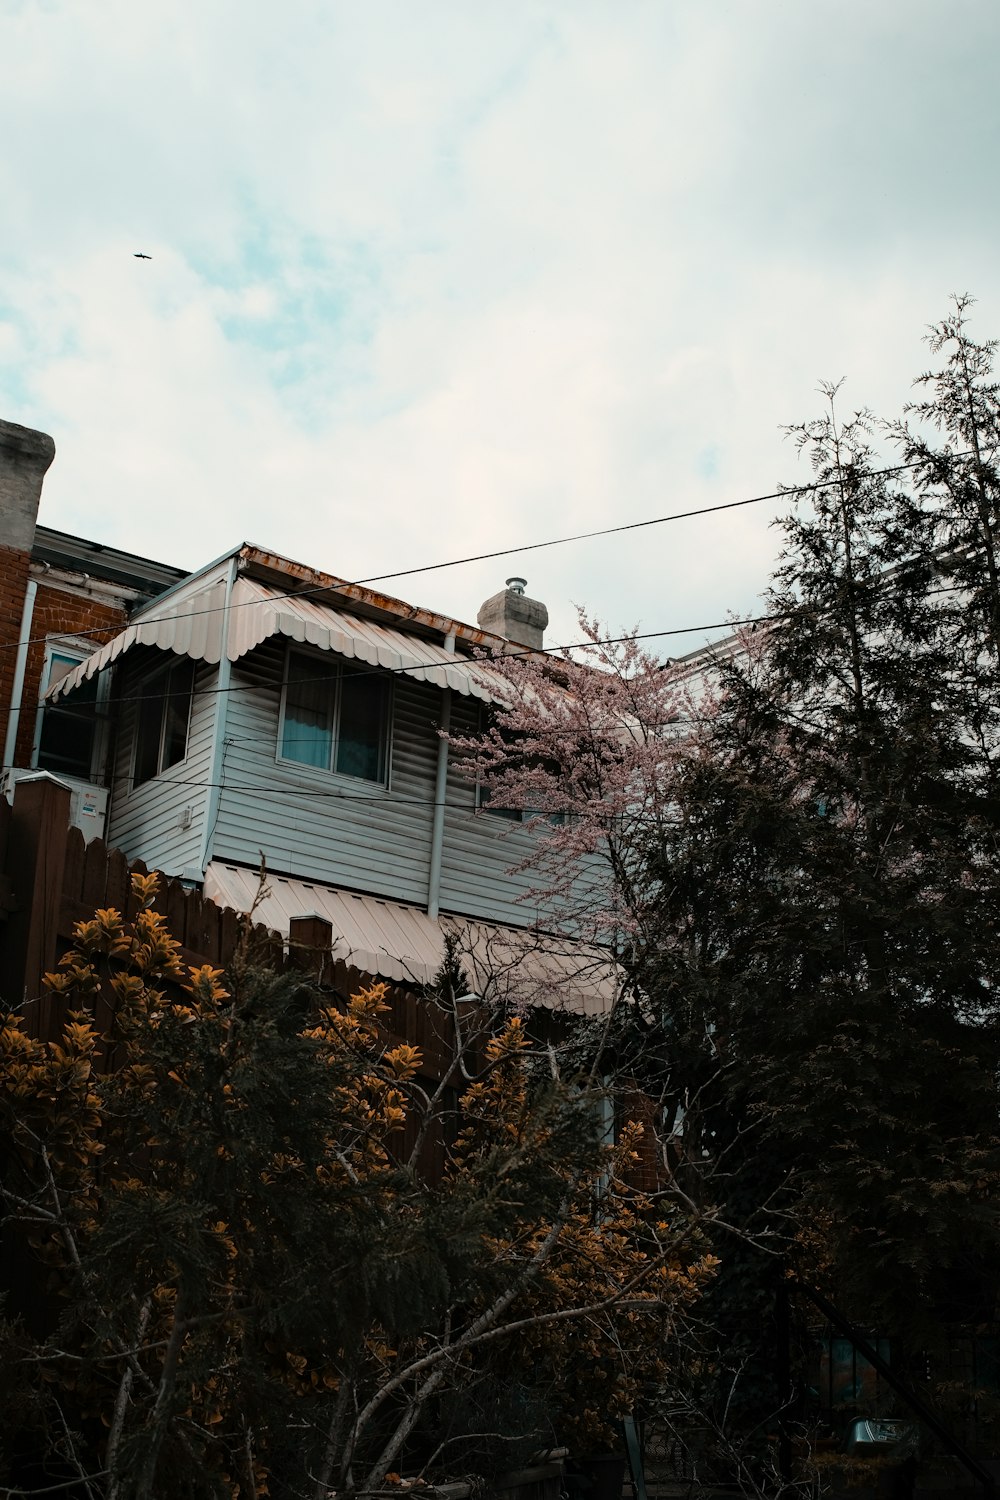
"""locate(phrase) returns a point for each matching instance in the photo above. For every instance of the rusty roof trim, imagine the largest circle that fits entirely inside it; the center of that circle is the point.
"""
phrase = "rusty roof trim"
(326, 588)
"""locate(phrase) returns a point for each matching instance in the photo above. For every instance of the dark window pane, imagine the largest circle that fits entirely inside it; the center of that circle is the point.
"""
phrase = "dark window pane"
(513, 814)
(164, 715)
(361, 741)
(69, 727)
(307, 735)
(987, 1356)
(176, 713)
(148, 731)
(67, 742)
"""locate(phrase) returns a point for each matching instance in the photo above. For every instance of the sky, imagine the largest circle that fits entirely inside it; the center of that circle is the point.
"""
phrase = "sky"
(431, 278)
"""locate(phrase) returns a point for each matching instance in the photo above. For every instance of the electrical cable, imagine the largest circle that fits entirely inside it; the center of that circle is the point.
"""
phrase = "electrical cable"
(485, 657)
(378, 796)
(783, 494)
(336, 794)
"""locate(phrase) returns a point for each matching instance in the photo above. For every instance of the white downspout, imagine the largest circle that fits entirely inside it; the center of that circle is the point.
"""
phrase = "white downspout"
(219, 728)
(440, 792)
(20, 666)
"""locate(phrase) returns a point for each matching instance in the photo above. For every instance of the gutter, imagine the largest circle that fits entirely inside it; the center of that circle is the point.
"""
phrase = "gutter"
(440, 792)
(214, 804)
(20, 667)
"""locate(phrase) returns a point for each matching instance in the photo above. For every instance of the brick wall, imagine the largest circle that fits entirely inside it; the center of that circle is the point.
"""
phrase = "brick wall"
(59, 612)
(633, 1105)
(13, 582)
(25, 455)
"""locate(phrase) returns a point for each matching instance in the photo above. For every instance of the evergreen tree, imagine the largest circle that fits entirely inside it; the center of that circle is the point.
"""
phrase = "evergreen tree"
(839, 868)
(810, 878)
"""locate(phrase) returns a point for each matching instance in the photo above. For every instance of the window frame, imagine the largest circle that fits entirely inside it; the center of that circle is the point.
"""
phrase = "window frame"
(513, 816)
(78, 650)
(147, 690)
(337, 667)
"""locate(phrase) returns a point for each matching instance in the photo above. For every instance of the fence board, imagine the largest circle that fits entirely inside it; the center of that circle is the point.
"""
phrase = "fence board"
(203, 927)
(76, 850)
(6, 884)
(118, 883)
(93, 891)
(36, 862)
(267, 948)
(173, 903)
(230, 927)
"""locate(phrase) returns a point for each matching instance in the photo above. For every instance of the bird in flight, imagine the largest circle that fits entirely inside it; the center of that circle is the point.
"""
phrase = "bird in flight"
(138, 255)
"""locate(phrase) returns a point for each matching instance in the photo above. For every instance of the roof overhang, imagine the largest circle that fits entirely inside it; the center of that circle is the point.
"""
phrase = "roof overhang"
(260, 612)
(189, 622)
(403, 945)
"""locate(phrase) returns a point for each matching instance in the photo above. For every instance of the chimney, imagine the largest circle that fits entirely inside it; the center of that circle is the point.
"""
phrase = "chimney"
(514, 616)
(25, 456)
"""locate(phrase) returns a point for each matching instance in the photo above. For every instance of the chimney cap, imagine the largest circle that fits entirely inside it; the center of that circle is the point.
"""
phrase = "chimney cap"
(513, 615)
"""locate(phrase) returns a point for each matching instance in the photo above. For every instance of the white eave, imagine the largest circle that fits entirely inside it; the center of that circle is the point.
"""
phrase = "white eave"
(402, 944)
(189, 622)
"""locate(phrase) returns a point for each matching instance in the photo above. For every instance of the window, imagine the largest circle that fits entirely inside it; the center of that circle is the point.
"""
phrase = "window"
(164, 713)
(484, 797)
(68, 732)
(335, 718)
(517, 814)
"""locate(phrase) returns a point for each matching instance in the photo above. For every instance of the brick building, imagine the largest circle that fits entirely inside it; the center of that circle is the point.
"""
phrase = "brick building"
(60, 597)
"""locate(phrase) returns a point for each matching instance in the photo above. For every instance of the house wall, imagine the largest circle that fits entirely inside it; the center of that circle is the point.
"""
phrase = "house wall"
(13, 582)
(480, 848)
(25, 456)
(340, 832)
(146, 822)
(60, 611)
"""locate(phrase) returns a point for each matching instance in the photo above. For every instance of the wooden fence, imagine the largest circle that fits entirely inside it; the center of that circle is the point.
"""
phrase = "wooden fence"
(50, 880)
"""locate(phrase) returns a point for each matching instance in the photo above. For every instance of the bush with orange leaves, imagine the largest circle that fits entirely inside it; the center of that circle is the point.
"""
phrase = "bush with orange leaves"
(248, 1290)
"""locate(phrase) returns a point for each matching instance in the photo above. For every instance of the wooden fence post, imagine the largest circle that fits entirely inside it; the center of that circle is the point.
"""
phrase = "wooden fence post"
(310, 940)
(36, 861)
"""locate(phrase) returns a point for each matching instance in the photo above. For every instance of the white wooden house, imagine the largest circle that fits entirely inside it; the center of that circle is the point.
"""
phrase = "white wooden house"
(262, 710)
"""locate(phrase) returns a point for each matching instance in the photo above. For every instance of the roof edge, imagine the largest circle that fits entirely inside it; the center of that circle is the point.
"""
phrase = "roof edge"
(275, 569)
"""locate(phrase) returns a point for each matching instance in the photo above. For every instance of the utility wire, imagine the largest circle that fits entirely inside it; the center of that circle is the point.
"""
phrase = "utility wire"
(482, 658)
(369, 799)
(414, 672)
(374, 798)
(456, 562)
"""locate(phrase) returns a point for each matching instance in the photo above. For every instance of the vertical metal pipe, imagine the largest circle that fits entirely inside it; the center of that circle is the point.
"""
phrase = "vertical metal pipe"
(20, 667)
(219, 730)
(440, 792)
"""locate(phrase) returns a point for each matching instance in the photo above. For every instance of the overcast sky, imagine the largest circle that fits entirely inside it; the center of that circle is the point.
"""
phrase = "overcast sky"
(433, 277)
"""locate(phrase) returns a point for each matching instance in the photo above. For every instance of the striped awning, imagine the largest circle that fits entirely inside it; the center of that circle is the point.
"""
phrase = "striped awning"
(189, 622)
(404, 945)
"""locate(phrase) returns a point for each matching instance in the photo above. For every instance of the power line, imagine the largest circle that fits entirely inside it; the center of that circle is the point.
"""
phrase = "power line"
(482, 658)
(413, 672)
(455, 562)
(373, 799)
(585, 536)
(681, 515)
(369, 799)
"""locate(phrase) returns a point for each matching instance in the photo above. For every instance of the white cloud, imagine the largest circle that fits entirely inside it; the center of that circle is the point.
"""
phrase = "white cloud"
(429, 281)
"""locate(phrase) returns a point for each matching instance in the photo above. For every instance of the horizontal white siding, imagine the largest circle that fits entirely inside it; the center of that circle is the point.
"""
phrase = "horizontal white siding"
(341, 832)
(480, 848)
(146, 821)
